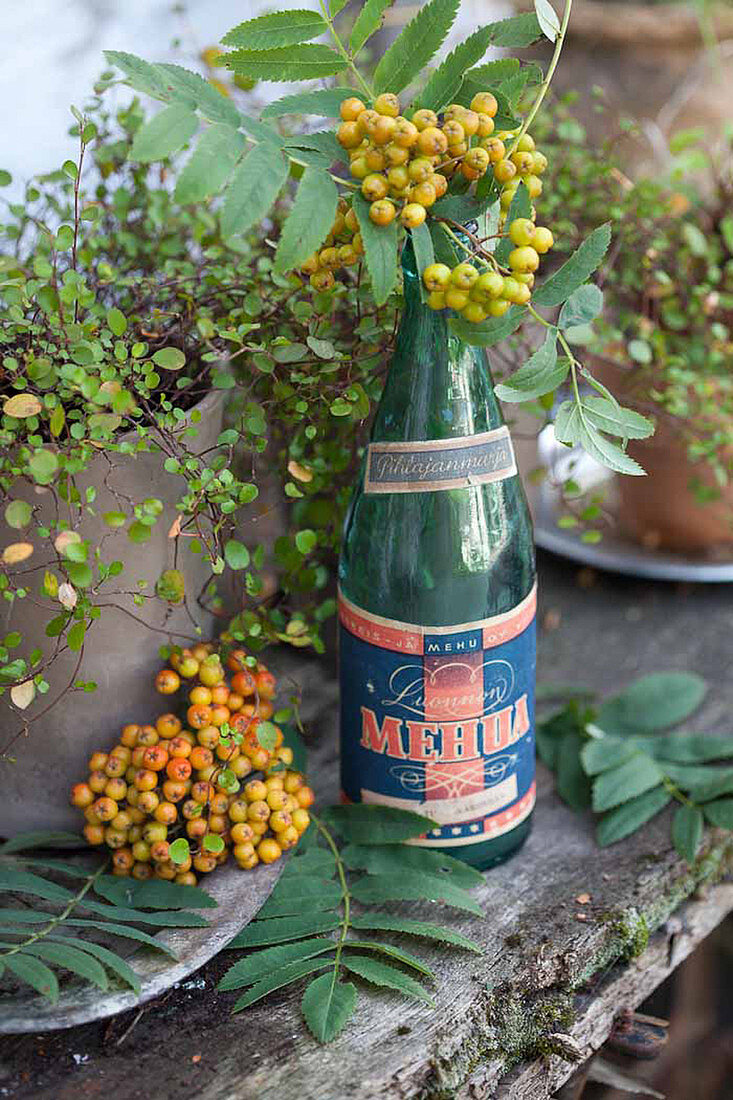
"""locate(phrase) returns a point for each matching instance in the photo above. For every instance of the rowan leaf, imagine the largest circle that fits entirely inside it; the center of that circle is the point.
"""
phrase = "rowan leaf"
(379, 858)
(24, 882)
(603, 753)
(139, 74)
(34, 973)
(278, 28)
(252, 189)
(380, 250)
(573, 426)
(517, 31)
(653, 702)
(367, 22)
(279, 978)
(379, 973)
(298, 895)
(687, 829)
(71, 957)
(327, 1006)
(610, 417)
(194, 91)
(720, 813)
(257, 966)
(286, 63)
(124, 930)
(152, 894)
(413, 886)
(412, 49)
(264, 932)
(631, 815)
(362, 823)
(210, 165)
(164, 134)
(386, 922)
(309, 221)
(391, 952)
(323, 101)
(445, 81)
(111, 960)
(42, 838)
(541, 374)
(573, 784)
(688, 748)
(576, 270)
(635, 776)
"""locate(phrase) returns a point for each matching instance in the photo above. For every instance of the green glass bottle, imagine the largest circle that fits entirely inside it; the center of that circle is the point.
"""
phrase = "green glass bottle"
(437, 597)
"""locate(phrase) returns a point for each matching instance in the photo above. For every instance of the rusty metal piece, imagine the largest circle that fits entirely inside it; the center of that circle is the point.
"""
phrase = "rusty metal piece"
(638, 1036)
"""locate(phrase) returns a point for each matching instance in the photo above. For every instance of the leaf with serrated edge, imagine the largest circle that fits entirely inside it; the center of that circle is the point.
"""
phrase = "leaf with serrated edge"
(35, 973)
(42, 839)
(151, 894)
(516, 32)
(322, 141)
(257, 966)
(309, 220)
(315, 861)
(24, 882)
(377, 858)
(614, 419)
(419, 41)
(380, 250)
(489, 332)
(688, 748)
(687, 830)
(301, 894)
(386, 922)
(379, 973)
(367, 22)
(413, 886)
(542, 373)
(71, 957)
(112, 961)
(445, 81)
(284, 976)
(633, 777)
(403, 957)
(278, 28)
(372, 824)
(124, 930)
(583, 305)
(547, 19)
(252, 189)
(191, 88)
(286, 63)
(262, 933)
(140, 75)
(323, 101)
(572, 426)
(720, 813)
(653, 702)
(631, 815)
(160, 918)
(327, 1006)
(706, 786)
(575, 271)
(604, 753)
(164, 134)
(210, 165)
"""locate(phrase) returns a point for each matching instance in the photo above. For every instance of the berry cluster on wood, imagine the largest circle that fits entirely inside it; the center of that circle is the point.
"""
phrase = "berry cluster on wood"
(169, 782)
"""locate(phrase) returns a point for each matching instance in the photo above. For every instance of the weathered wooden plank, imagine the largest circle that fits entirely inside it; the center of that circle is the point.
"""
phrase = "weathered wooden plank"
(492, 1034)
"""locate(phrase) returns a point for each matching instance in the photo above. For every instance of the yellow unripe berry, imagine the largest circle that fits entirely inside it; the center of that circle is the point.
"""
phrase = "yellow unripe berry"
(469, 121)
(539, 163)
(280, 820)
(495, 147)
(301, 820)
(349, 135)
(310, 265)
(367, 120)
(521, 231)
(474, 312)
(470, 173)
(328, 258)
(382, 212)
(351, 108)
(375, 159)
(478, 159)
(288, 838)
(491, 284)
(424, 194)
(526, 144)
(485, 103)
(507, 196)
(348, 255)
(269, 850)
(244, 851)
(387, 104)
(485, 126)
(522, 294)
(436, 276)
(464, 276)
(431, 141)
(374, 187)
(339, 225)
(436, 299)
(511, 288)
(542, 239)
(420, 169)
(413, 214)
(504, 170)
(524, 277)
(522, 162)
(498, 307)
(395, 154)
(405, 133)
(455, 298)
(440, 184)
(458, 150)
(424, 118)
(398, 177)
(454, 132)
(351, 221)
(358, 245)
(359, 168)
(384, 130)
(534, 186)
(524, 259)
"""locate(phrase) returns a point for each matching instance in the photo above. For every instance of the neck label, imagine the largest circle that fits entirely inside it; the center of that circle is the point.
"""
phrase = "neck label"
(431, 465)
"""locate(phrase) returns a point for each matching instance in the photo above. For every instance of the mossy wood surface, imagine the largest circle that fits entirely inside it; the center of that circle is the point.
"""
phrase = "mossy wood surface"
(550, 981)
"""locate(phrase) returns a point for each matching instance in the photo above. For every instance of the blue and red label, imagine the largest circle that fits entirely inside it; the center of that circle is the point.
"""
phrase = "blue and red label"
(440, 720)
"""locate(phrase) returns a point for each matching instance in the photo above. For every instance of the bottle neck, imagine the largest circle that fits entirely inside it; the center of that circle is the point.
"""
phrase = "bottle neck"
(437, 386)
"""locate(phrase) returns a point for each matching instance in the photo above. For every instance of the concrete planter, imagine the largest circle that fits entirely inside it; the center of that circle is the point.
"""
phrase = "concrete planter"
(121, 647)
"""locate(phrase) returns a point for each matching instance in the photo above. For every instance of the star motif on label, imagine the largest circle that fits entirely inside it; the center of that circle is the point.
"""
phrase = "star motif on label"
(456, 830)
(474, 828)
(435, 832)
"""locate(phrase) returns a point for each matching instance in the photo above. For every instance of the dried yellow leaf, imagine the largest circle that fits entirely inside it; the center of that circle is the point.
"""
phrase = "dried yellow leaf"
(22, 405)
(301, 472)
(22, 695)
(17, 552)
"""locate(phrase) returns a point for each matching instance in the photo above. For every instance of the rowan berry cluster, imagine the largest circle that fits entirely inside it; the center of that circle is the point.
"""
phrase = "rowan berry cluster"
(480, 293)
(342, 248)
(407, 163)
(168, 799)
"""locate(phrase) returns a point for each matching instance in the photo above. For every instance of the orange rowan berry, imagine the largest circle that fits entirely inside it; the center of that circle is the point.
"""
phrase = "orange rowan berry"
(82, 795)
(93, 834)
(167, 681)
(142, 871)
(129, 735)
(351, 108)
(116, 789)
(269, 850)
(148, 801)
(424, 118)
(166, 813)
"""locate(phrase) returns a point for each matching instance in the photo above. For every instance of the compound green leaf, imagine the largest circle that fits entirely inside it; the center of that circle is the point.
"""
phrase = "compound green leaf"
(720, 813)
(279, 978)
(380, 250)
(194, 91)
(386, 922)
(323, 101)
(547, 19)
(379, 858)
(413, 886)
(23, 882)
(635, 776)
(255, 967)
(300, 894)
(653, 702)
(444, 82)
(252, 189)
(379, 973)
(490, 332)
(112, 961)
(140, 75)
(687, 829)
(542, 373)
(71, 957)
(164, 134)
(278, 28)
(575, 271)
(391, 952)
(516, 32)
(603, 753)
(688, 748)
(367, 22)
(34, 973)
(210, 165)
(419, 41)
(610, 417)
(263, 932)
(368, 824)
(327, 1006)
(286, 63)
(583, 305)
(630, 816)
(309, 221)
(152, 894)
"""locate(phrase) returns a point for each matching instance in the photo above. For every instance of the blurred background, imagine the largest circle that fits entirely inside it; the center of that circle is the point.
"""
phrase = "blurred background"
(638, 129)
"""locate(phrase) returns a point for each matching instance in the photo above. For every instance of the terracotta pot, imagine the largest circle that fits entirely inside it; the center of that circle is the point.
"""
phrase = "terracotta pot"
(660, 510)
(652, 64)
(121, 648)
